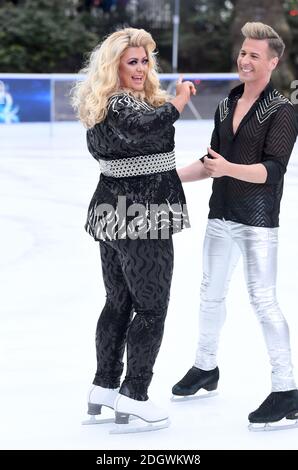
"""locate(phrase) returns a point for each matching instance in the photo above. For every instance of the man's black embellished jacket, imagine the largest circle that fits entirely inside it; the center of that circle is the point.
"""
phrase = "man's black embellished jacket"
(266, 135)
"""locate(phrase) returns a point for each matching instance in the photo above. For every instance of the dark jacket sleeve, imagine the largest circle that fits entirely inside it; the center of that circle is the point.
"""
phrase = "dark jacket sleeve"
(214, 144)
(124, 114)
(279, 143)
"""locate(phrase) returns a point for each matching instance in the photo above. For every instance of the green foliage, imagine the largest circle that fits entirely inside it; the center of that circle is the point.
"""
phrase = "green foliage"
(205, 45)
(203, 37)
(293, 23)
(42, 36)
(55, 35)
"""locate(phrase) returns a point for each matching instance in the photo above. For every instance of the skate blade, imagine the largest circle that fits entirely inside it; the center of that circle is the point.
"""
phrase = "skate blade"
(264, 427)
(200, 396)
(127, 428)
(94, 420)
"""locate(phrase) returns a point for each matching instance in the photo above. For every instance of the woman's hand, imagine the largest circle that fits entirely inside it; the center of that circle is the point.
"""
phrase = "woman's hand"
(183, 92)
(185, 89)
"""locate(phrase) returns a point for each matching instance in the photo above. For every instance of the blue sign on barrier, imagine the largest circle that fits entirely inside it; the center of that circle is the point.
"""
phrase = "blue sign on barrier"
(23, 100)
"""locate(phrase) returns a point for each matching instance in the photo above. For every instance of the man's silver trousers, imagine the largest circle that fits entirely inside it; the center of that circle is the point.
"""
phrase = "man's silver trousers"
(224, 242)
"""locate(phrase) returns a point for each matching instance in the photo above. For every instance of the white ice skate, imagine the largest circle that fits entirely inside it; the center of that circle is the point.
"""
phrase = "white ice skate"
(99, 397)
(148, 413)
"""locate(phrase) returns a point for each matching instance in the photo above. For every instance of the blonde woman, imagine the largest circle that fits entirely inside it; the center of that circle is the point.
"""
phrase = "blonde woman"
(137, 206)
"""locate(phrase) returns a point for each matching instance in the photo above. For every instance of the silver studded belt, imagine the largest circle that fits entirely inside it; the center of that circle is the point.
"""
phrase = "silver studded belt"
(140, 165)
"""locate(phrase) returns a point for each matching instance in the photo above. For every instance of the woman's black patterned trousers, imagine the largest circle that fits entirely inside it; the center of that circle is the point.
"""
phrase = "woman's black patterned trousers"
(137, 275)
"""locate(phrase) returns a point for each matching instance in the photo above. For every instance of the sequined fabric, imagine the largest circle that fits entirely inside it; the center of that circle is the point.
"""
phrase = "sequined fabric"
(133, 128)
(137, 275)
(138, 166)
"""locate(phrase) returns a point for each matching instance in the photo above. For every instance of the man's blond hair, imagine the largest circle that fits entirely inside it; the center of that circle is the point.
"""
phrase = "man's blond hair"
(257, 30)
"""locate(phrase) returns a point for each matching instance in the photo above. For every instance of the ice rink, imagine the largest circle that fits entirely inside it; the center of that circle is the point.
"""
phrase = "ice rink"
(52, 294)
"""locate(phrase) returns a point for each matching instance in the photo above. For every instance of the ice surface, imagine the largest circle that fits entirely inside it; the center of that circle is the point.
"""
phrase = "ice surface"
(52, 293)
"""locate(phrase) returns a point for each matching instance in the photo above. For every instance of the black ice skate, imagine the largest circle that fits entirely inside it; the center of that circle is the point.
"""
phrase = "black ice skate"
(277, 406)
(195, 380)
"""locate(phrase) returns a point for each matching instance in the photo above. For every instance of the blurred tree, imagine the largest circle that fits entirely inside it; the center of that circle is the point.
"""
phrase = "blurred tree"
(272, 13)
(106, 5)
(55, 35)
(205, 42)
(291, 12)
(42, 36)
(100, 22)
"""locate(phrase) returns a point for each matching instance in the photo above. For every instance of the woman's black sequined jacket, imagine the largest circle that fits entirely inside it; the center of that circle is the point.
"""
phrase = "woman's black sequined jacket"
(144, 206)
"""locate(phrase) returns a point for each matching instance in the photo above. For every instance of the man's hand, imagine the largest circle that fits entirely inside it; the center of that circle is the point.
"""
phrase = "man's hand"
(217, 166)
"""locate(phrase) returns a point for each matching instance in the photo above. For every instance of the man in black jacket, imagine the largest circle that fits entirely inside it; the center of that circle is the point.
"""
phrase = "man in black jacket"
(254, 134)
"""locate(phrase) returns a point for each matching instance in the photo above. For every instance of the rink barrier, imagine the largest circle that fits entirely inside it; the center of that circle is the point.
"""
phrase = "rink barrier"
(45, 97)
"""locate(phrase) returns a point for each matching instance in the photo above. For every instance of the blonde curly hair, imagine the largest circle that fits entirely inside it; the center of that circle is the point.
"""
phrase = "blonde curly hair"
(90, 96)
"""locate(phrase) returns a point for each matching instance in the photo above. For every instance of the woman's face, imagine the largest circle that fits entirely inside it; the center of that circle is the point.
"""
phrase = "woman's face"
(133, 68)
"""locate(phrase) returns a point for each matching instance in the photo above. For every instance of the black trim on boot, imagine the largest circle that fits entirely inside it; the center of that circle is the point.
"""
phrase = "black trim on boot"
(135, 387)
(106, 382)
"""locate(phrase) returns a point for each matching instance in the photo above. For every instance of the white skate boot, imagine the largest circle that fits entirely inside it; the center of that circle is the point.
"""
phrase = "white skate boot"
(97, 398)
(126, 408)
